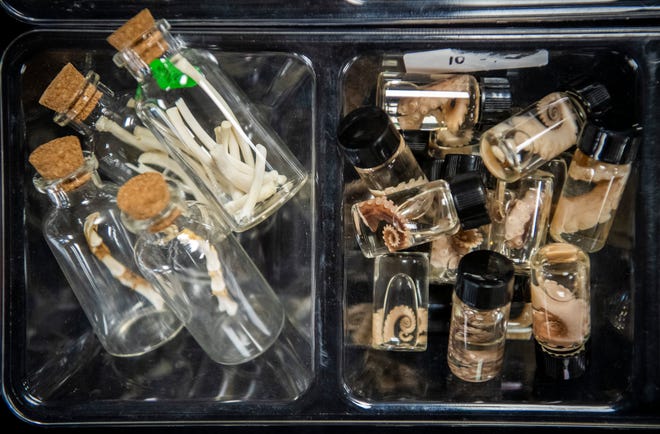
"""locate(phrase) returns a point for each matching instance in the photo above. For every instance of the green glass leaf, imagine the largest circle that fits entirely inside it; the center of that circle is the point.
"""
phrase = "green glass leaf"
(169, 76)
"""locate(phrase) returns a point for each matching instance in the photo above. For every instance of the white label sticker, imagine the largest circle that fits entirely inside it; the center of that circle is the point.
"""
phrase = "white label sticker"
(449, 60)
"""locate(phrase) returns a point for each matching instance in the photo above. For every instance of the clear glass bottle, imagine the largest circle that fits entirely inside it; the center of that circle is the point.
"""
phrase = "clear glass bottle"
(519, 326)
(112, 129)
(372, 144)
(201, 271)
(561, 298)
(596, 180)
(207, 123)
(520, 214)
(95, 252)
(524, 142)
(400, 302)
(417, 215)
(448, 249)
(480, 311)
(448, 105)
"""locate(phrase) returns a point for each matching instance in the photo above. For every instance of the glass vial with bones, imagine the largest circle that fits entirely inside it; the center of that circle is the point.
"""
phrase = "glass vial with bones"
(448, 249)
(95, 252)
(596, 180)
(381, 157)
(208, 125)
(524, 142)
(120, 142)
(450, 106)
(201, 271)
(417, 215)
(520, 214)
(561, 298)
(400, 302)
(480, 310)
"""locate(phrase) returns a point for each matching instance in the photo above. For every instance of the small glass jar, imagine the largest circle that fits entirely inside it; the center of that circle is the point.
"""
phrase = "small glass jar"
(123, 146)
(95, 252)
(448, 249)
(400, 302)
(480, 311)
(520, 213)
(379, 154)
(524, 142)
(560, 298)
(596, 180)
(448, 105)
(418, 215)
(208, 125)
(519, 326)
(201, 271)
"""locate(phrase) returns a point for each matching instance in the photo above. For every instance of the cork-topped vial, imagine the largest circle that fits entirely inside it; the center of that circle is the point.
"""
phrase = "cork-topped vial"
(480, 311)
(596, 179)
(201, 271)
(400, 302)
(561, 305)
(207, 123)
(95, 252)
(524, 142)
(85, 104)
(417, 215)
(379, 154)
(453, 107)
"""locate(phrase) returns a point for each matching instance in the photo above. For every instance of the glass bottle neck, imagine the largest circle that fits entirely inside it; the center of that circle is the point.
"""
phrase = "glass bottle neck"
(92, 101)
(155, 43)
(78, 188)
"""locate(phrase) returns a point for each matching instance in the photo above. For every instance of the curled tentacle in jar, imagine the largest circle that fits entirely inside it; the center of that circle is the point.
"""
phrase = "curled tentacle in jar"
(518, 220)
(400, 323)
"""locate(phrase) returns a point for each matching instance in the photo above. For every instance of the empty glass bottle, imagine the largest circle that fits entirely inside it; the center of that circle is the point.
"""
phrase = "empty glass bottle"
(372, 144)
(419, 214)
(449, 105)
(201, 271)
(480, 311)
(596, 180)
(207, 123)
(95, 252)
(515, 147)
(121, 144)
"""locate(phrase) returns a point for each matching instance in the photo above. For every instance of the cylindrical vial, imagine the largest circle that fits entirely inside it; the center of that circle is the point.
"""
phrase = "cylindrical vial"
(522, 143)
(560, 298)
(201, 271)
(208, 125)
(448, 105)
(95, 252)
(373, 145)
(122, 145)
(481, 303)
(520, 214)
(419, 214)
(448, 249)
(519, 326)
(596, 180)
(400, 302)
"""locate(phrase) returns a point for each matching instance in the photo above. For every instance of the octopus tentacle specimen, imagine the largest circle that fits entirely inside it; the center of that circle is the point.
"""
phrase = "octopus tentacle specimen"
(518, 219)
(377, 210)
(400, 323)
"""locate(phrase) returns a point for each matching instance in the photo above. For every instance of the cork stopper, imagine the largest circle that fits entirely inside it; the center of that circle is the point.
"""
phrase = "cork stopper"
(57, 158)
(135, 34)
(144, 196)
(70, 92)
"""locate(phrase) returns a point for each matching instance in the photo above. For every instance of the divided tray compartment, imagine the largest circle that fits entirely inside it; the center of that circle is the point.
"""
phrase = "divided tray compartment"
(56, 373)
